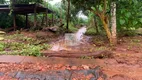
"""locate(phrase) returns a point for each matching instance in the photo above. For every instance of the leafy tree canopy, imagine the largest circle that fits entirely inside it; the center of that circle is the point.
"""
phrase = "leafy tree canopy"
(2, 1)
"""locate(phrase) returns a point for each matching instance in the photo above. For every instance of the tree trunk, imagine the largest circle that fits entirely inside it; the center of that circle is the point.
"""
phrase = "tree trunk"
(52, 19)
(96, 25)
(42, 22)
(111, 34)
(104, 20)
(35, 17)
(68, 15)
(105, 23)
(14, 21)
(26, 21)
(113, 23)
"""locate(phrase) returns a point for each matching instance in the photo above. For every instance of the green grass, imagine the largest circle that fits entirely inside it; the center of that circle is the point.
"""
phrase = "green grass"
(2, 35)
(19, 44)
(139, 31)
(91, 31)
(17, 48)
(72, 28)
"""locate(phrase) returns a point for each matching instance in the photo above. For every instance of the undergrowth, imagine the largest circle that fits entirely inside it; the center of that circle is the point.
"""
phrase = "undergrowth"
(18, 44)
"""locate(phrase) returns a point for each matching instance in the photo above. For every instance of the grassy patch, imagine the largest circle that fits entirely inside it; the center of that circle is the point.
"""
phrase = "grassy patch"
(2, 35)
(91, 31)
(72, 28)
(127, 33)
(16, 48)
(19, 44)
(135, 40)
(101, 48)
(139, 31)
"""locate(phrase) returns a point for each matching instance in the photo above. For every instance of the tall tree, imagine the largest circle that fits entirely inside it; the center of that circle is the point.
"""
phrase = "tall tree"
(128, 14)
(68, 15)
(113, 22)
(99, 8)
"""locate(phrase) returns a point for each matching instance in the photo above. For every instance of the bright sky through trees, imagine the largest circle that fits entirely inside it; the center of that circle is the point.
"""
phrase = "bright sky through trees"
(80, 14)
(53, 1)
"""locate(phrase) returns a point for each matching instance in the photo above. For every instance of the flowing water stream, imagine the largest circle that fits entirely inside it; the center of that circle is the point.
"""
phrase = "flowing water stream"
(70, 40)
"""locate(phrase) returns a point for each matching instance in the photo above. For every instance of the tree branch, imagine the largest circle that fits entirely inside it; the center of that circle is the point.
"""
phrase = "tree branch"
(95, 12)
(104, 6)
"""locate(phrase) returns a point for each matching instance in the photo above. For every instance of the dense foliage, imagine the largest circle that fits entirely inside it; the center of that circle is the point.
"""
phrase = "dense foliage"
(2, 1)
(129, 15)
(7, 21)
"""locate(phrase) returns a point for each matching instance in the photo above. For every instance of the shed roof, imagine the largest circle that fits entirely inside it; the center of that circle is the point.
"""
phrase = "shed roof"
(25, 8)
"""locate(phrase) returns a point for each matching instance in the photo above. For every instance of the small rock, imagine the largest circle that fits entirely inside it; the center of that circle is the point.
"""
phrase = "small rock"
(74, 67)
(37, 76)
(29, 76)
(1, 73)
(13, 74)
(85, 67)
(68, 67)
(63, 68)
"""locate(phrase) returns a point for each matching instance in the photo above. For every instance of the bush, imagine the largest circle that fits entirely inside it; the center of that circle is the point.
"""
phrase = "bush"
(2, 47)
(7, 21)
(91, 31)
(16, 48)
(127, 33)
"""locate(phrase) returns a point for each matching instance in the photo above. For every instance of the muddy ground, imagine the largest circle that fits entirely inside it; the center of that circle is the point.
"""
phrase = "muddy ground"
(126, 63)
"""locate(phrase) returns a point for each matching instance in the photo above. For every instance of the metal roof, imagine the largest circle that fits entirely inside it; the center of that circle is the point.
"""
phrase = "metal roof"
(25, 8)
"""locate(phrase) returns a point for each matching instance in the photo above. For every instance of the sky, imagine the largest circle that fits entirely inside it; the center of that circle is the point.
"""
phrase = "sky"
(53, 1)
(80, 14)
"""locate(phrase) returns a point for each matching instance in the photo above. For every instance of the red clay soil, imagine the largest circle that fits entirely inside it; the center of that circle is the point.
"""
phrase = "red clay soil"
(121, 67)
(126, 64)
